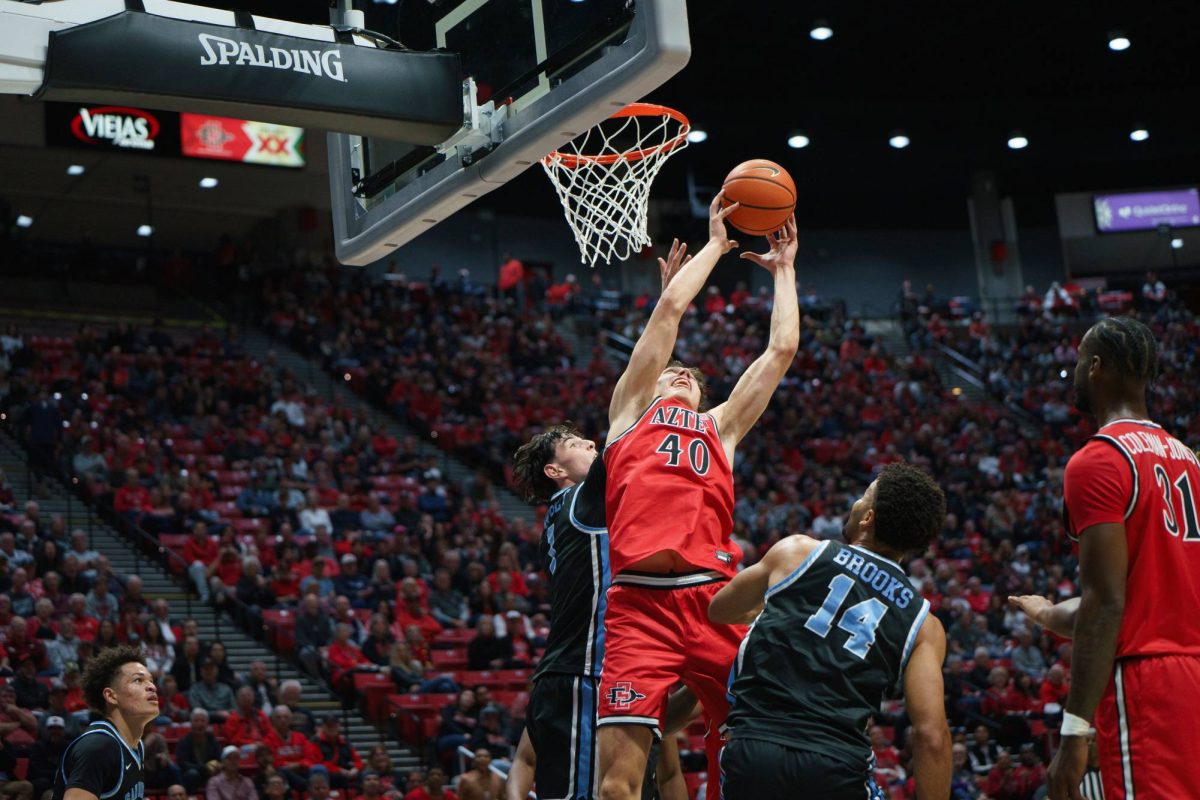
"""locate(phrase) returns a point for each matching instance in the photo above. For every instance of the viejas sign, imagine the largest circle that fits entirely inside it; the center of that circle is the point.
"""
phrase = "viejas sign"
(104, 127)
(134, 59)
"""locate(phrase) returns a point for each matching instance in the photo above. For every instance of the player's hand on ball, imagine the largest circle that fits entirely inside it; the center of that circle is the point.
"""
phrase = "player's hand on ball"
(1067, 768)
(783, 248)
(716, 223)
(675, 259)
(1031, 605)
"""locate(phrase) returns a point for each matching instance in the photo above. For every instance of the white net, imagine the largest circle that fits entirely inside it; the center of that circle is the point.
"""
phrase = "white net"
(603, 178)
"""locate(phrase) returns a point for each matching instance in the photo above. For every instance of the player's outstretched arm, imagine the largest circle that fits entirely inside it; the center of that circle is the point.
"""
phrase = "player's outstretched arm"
(520, 774)
(1058, 618)
(1103, 570)
(742, 599)
(749, 398)
(926, 705)
(682, 278)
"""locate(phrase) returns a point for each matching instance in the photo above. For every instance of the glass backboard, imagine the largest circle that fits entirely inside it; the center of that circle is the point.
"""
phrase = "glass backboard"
(541, 72)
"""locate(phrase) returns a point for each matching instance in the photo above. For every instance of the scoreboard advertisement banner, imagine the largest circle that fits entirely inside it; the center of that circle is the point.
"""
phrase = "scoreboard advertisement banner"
(226, 139)
(98, 127)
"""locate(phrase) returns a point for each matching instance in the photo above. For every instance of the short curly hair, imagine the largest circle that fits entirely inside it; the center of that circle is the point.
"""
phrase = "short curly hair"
(102, 669)
(910, 508)
(529, 463)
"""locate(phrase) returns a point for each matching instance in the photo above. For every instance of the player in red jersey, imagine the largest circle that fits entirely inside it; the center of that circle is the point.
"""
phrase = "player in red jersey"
(669, 504)
(1130, 500)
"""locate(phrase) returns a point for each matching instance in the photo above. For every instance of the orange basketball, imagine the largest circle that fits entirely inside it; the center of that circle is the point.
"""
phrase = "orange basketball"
(766, 193)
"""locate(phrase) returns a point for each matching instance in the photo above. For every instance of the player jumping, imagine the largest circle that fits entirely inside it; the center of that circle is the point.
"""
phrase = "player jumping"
(670, 514)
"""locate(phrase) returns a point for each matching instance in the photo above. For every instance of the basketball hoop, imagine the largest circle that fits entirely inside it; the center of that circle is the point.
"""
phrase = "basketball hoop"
(603, 178)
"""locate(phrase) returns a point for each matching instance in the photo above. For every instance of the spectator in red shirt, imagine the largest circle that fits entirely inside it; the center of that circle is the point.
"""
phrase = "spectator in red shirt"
(200, 551)
(888, 771)
(1055, 687)
(21, 646)
(132, 500)
(506, 561)
(338, 755)
(86, 626)
(714, 303)
(410, 610)
(245, 724)
(434, 787)
(345, 658)
(1002, 698)
(295, 754)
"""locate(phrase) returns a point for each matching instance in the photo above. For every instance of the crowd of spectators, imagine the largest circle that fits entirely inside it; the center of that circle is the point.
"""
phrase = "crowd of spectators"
(276, 500)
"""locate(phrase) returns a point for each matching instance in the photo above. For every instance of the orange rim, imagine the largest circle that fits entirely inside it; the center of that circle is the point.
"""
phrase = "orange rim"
(574, 160)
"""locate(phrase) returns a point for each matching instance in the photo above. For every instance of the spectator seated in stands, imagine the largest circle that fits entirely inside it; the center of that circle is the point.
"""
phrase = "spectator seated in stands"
(228, 783)
(295, 753)
(31, 693)
(433, 787)
(195, 751)
(345, 658)
(338, 756)
(489, 735)
(303, 720)
(446, 603)
(351, 583)
(246, 724)
(45, 757)
(158, 770)
(411, 610)
(212, 694)
(487, 650)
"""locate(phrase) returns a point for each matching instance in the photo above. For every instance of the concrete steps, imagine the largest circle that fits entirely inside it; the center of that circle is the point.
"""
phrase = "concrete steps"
(242, 649)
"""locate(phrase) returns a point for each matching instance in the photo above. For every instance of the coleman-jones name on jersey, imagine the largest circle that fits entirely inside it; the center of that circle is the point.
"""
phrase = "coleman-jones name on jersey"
(898, 592)
(221, 51)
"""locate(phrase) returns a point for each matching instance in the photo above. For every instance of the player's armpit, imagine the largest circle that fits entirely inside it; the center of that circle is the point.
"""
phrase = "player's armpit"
(925, 702)
(79, 794)
(742, 599)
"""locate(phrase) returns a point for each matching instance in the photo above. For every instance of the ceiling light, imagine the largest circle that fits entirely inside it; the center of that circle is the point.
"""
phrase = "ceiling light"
(1139, 134)
(798, 141)
(898, 140)
(1177, 244)
(75, 169)
(821, 31)
(24, 221)
(208, 183)
(1017, 141)
(1118, 41)
(696, 135)
(145, 230)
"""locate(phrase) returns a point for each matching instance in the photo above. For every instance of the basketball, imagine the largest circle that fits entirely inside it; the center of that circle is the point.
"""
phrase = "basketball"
(766, 193)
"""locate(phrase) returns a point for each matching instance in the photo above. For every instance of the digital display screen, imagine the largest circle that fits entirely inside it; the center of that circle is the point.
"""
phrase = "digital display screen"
(1140, 211)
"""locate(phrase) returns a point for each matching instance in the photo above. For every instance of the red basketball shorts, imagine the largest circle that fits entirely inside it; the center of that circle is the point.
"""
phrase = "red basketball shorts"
(657, 633)
(1147, 728)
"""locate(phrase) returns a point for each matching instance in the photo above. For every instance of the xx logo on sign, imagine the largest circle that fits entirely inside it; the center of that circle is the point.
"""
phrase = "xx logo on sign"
(623, 695)
(272, 144)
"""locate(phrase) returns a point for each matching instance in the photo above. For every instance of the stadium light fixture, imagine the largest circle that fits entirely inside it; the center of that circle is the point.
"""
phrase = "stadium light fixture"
(1017, 141)
(145, 230)
(1118, 42)
(1139, 134)
(697, 135)
(76, 169)
(208, 183)
(1177, 243)
(899, 140)
(24, 221)
(821, 32)
(798, 140)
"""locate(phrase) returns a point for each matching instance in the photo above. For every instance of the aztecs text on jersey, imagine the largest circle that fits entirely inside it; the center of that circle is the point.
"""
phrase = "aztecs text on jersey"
(670, 487)
(1134, 473)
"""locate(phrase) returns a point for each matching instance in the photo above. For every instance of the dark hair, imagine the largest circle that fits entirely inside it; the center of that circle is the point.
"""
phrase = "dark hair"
(698, 377)
(529, 463)
(1128, 346)
(910, 508)
(102, 670)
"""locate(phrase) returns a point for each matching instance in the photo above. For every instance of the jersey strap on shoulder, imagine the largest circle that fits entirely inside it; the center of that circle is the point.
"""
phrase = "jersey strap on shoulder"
(626, 432)
(575, 520)
(1133, 496)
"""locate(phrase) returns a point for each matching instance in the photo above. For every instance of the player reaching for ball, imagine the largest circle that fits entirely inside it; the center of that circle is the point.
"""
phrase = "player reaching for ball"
(669, 509)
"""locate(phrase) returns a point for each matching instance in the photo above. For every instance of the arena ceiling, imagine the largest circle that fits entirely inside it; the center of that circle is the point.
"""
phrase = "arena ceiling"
(957, 78)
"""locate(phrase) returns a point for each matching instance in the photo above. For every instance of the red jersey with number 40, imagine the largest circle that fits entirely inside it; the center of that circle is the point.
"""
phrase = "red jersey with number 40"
(1133, 472)
(670, 488)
